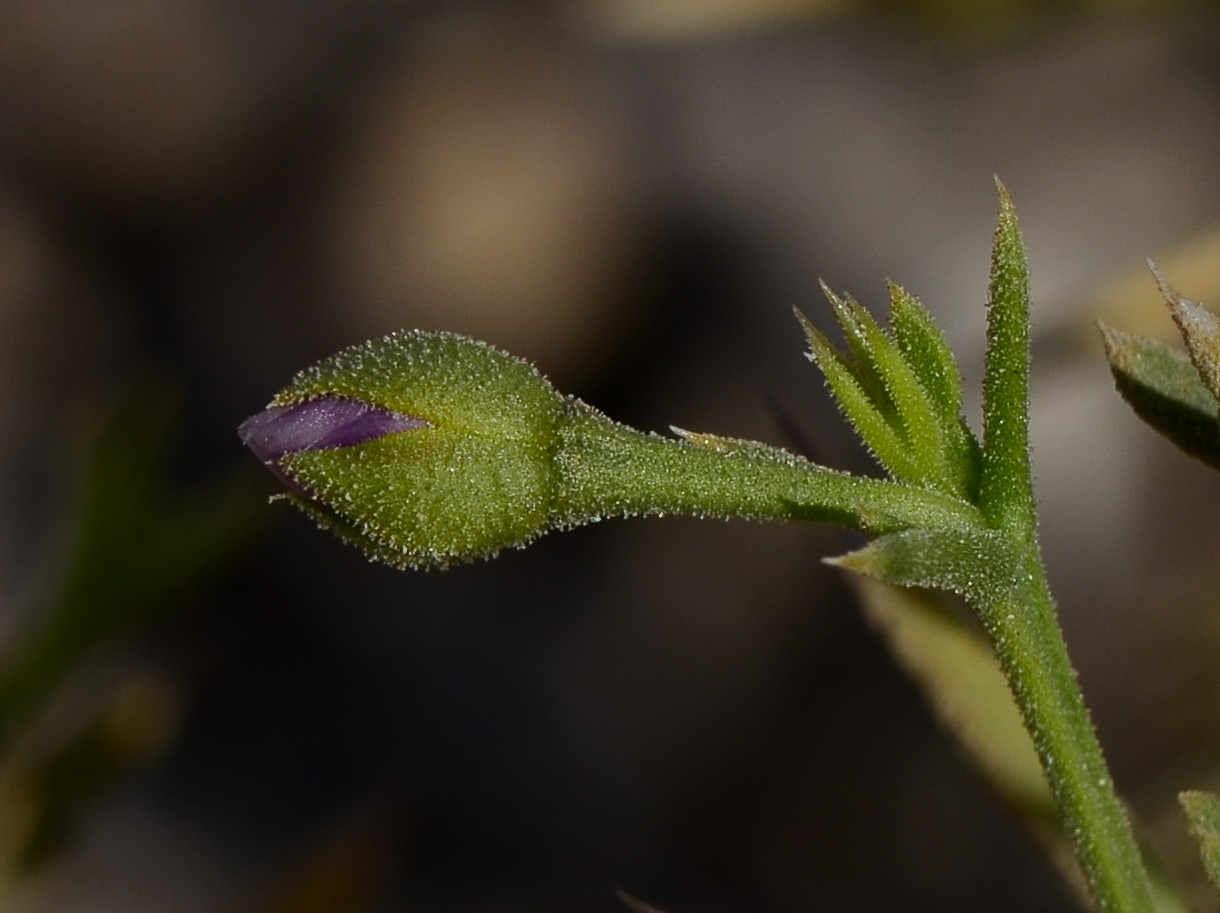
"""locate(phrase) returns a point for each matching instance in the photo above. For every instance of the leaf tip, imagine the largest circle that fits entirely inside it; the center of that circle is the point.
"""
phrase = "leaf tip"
(1167, 290)
(1200, 328)
(1006, 204)
(861, 561)
(1113, 339)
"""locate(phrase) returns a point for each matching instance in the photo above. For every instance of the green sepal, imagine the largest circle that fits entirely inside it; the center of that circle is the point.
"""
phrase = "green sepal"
(1163, 387)
(1203, 817)
(433, 496)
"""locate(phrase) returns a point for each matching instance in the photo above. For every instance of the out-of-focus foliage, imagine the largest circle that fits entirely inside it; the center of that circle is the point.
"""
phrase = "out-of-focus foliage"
(1175, 395)
(1203, 812)
(1164, 389)
(75, 714)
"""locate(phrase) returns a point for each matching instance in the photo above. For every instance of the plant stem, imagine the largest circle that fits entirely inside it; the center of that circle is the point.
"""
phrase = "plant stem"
(607, 469)
(1032, 653)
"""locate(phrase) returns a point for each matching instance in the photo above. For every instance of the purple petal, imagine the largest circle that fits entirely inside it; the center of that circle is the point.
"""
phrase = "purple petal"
(329, 421)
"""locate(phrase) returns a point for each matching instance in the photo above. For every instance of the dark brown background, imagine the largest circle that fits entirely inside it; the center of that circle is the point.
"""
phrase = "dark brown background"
(217, 193)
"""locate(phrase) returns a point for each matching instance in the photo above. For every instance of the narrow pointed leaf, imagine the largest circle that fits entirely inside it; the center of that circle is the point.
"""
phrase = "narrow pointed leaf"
(966, 456)
(923, 346)
(1006, 488)
(847, 312)
(1203, 816)
(877, 433)
(925, 349)
(917, 417)
(977, 564)
(1165, 390)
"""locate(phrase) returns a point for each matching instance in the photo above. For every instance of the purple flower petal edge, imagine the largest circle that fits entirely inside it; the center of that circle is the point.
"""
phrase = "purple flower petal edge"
(329, 421)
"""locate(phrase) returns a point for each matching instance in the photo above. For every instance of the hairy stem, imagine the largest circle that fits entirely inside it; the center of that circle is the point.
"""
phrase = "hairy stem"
(607, 469)
(1032, 653)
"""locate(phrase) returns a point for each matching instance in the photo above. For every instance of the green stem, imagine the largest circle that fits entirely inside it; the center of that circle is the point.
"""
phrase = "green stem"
(1032, 653)
(607, 469)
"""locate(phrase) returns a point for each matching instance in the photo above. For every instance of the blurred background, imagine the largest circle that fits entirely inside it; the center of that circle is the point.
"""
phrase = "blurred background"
(208, 705)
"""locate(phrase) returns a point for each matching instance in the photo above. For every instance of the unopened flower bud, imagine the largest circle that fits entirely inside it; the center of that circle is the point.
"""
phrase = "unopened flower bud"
(422, 448)
(430, 448)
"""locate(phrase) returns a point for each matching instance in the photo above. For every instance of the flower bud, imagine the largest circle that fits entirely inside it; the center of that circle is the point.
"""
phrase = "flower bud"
(421, 448)
(430, 448)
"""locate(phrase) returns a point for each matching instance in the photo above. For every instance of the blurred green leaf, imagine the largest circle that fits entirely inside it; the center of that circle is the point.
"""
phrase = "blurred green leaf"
(132, 545)
(1165, 390)
(134, 720)
(1203, 816)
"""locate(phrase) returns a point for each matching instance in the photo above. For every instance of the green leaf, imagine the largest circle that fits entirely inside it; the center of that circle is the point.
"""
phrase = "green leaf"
(1164, 388)
(1203, 816)
(925, 349)
(861, 409)
(916, 417)
(852, 316)
(980, 565)
(1006, 486)
(903, 394)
